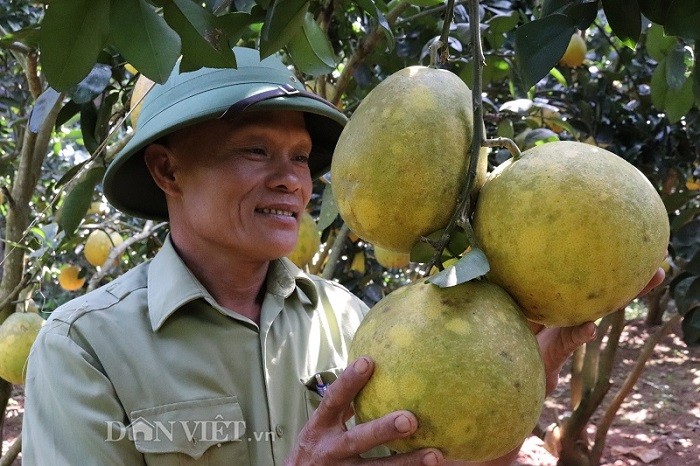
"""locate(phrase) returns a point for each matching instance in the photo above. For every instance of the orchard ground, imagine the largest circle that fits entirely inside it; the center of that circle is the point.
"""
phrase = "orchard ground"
(660, 418)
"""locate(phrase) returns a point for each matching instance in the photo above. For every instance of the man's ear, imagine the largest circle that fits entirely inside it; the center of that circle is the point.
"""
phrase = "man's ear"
(160, 162)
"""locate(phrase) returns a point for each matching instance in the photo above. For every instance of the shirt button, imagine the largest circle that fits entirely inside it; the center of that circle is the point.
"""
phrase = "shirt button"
(279, 430)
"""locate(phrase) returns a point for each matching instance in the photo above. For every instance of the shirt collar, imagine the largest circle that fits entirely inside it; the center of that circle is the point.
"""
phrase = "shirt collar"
(171, 284)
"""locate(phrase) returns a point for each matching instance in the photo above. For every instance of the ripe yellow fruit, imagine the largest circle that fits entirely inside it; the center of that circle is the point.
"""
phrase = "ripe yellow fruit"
(391, 259)
(69, 278)
(462, 359)
(17, 334)
(358, 263)
(138, 94)
(692, 184)
(98, 246)
(571, 231)
(308, 242)
(575, 52)
(401, 161)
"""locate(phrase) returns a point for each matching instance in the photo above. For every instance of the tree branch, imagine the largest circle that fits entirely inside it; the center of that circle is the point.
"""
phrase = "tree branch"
(365, 48)
(336, 251)
(12, 452)
(631, 379)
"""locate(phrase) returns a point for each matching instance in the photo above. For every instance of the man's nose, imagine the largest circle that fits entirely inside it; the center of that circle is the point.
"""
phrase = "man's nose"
(289, 176)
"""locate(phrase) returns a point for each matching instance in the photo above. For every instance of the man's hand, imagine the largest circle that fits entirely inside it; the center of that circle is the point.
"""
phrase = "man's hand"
(557, 343)
(324, 439)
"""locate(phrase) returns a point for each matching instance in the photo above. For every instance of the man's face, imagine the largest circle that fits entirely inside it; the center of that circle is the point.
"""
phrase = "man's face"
(242, 185)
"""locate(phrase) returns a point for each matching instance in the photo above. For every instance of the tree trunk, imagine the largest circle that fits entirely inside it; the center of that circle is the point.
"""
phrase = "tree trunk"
(655, 306)
(34, 149)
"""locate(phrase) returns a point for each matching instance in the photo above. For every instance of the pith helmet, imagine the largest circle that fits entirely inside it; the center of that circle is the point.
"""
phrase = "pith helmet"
(209, 93)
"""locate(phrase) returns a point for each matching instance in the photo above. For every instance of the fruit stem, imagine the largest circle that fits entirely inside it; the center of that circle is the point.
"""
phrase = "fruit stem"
(443, 42)
(504, 143)
(478, 126)
(461, 214)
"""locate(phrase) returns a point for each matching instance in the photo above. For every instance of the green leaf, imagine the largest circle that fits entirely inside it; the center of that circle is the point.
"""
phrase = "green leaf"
(43, 105)
(472, 265)
(370, 7)
(540, 44)
(658, 43)
(696, 75)
(459, 242)
(77, 201)
(582, 12)
(679, 101)
(655, 10)
(88, 122)
(693, 266)
(675, 67)
(144, 39)
(329, 210)
(71, 37)
(683, 19)
(691, 327)
(205, 37)
(659, 86)
(422, 252)
(93, 84)
(310, 49)
(283, 21)
(686, 240)
(625, 19)
(687, 294)
(671, 90)
(104, 115)
(553, 6)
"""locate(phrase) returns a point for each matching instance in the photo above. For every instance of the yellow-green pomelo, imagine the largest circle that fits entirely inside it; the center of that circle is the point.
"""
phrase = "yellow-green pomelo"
(391, 259)
(17, 334)
(462, 359)
(401, 161)
(571, 231)
(308, 241)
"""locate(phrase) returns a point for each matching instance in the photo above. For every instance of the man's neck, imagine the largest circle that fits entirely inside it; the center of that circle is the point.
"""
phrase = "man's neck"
(235, 284)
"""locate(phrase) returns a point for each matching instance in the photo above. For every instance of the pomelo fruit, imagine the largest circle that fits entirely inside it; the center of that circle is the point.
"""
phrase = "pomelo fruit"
(462, 359)
(391, 259)
(308, 241)
(98, 246)
(17, 334)
(141, 87)
(571, 231)
(69, 278)
(401, 161)
(575, 52)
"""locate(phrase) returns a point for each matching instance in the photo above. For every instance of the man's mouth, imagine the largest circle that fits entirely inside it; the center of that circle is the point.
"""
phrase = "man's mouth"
(287, 213)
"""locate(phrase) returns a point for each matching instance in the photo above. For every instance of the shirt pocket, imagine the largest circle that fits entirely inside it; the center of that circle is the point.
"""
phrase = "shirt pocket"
(199, 432)
(312, 398)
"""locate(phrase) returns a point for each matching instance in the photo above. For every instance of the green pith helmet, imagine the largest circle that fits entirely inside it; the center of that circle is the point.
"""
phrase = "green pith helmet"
(209, 93)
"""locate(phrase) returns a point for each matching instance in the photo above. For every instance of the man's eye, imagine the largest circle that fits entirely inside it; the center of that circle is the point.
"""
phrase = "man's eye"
(303, 158)
(256, 151)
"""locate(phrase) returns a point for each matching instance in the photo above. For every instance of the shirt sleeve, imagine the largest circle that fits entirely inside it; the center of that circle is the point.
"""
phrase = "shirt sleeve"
(72, 414)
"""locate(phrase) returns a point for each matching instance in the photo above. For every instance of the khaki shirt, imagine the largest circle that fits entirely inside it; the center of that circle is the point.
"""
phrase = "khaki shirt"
(149, 369)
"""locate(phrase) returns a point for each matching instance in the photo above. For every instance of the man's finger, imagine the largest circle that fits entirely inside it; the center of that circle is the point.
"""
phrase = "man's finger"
(365, 436)
(423, 457)
(654, 282)
(557, 344)
(340, 393)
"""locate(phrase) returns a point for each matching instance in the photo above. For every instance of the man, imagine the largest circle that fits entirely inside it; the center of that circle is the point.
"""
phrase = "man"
(211, 353)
